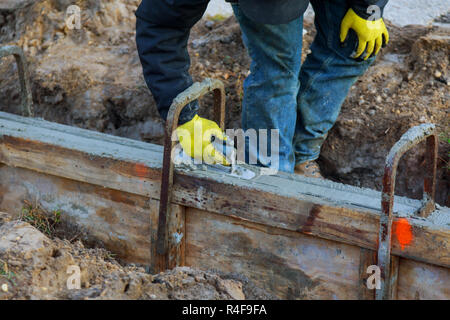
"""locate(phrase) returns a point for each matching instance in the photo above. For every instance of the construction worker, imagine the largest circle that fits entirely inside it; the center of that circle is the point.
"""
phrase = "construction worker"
(302, 101)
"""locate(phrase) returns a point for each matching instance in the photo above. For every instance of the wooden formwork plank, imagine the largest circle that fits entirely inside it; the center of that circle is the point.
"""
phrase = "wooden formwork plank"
(287, 264)
(124, 223)
(295, 266)
(309, 206)
(422, 281)
(120, 221)
(367, 258)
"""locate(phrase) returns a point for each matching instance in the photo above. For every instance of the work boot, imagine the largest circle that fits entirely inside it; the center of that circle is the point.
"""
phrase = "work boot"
(308, 169)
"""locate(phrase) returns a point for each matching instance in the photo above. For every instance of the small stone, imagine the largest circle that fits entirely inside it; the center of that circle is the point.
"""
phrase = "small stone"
(437, 74)
(226, 39)
(227, 60)
(378, 99)
(209, 24)
(33, 51)
(5, 287)
(233, 288)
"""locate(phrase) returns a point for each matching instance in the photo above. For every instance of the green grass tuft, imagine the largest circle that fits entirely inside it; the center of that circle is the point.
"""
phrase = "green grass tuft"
(40, 219)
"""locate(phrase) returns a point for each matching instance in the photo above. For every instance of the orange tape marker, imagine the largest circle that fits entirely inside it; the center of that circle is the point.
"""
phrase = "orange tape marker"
(403, 232)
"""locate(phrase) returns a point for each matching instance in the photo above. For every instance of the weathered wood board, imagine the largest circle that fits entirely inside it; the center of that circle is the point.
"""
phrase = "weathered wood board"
(423, 281)
(297, 237)
(295, 266)
(120, 221)
(124, 223)
(288, 264)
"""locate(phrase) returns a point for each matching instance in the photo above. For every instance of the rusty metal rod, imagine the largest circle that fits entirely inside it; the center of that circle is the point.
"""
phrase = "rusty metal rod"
(190, 94)
(27, 98)
(410, 139)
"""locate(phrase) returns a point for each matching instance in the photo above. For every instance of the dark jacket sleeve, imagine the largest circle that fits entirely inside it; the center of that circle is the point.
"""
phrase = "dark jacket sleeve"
(162, 32)
(360, 7)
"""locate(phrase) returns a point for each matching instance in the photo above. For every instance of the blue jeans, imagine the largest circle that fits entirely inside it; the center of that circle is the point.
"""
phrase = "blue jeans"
(301, 101)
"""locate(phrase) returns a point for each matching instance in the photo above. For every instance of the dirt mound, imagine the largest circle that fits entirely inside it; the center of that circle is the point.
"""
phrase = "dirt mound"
(92, 78)
(408, 85)
(33, 266)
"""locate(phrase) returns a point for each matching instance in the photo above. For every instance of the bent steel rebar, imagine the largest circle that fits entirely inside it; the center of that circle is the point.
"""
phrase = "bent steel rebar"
(27, 98)
(410, 139)
(192, 93)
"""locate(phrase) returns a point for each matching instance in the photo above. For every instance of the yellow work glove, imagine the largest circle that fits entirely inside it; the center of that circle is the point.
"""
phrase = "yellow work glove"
(370, 33)
(196, 138)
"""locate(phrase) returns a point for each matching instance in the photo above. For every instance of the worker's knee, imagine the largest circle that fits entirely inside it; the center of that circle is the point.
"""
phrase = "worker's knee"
(172, 13)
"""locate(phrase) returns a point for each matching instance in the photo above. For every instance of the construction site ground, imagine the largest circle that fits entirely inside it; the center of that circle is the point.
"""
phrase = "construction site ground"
(34, 265)
(92, 78)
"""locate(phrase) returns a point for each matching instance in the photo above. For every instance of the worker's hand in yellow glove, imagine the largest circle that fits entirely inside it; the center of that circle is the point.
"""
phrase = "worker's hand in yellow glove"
(370, 33)
(196, 137)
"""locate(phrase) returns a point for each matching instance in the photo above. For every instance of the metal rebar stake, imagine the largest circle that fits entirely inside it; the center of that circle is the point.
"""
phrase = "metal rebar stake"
(190, 94)
(410, 139)
(27, 98)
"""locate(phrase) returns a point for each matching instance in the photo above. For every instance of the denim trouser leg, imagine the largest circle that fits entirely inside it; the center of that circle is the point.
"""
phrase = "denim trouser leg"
(325, 78)
(271, 89)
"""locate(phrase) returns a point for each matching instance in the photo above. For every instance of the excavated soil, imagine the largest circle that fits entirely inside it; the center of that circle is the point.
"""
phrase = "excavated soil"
(34, 266)
(92, 78)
